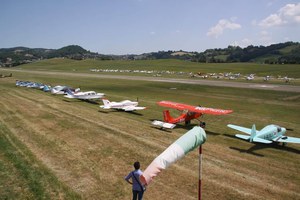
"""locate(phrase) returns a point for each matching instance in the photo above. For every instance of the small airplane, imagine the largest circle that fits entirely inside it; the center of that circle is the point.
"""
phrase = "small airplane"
(189, 112)
(125, 105)
(46, 88)
(83, 95)
(267, 78)
(267, 135)
(250, 77)
(58, 89)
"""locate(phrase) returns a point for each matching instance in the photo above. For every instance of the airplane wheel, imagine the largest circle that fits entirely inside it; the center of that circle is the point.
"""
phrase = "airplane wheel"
(284, 144)
(187, 122)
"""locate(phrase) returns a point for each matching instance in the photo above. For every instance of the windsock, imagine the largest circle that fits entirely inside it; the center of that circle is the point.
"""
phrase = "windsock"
(183, 145)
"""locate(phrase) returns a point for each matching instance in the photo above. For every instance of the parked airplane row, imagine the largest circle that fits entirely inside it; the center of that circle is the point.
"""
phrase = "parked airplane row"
(29, 84)
(61, 89)
(269, 134)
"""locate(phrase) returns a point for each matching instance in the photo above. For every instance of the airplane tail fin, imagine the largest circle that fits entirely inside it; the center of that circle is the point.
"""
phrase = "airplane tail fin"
(77, 90)
(253, 133)
(167, 116)
(106, 102)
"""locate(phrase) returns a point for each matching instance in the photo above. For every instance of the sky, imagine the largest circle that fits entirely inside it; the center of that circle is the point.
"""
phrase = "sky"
(142, 26)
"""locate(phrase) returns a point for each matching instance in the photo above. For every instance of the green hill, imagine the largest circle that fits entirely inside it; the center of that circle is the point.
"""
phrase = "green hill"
(282, 53)
(21, 55)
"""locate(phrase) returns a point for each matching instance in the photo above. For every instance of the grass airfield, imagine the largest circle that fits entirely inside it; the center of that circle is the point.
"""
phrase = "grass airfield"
(58, 148)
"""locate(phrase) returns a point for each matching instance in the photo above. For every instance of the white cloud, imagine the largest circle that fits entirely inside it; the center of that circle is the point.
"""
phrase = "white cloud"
(289, 14)
(223, 24)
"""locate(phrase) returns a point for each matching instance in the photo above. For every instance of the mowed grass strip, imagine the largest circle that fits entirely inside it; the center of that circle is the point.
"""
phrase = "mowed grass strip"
(25, 177)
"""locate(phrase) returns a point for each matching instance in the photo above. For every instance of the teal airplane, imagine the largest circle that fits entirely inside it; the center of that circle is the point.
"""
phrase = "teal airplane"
(269, 134)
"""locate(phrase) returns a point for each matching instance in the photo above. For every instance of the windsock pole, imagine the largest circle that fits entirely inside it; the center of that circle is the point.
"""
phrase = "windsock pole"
(200, 173)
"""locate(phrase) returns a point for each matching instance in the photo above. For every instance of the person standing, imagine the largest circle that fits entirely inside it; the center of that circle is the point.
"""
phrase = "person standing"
(137, 188)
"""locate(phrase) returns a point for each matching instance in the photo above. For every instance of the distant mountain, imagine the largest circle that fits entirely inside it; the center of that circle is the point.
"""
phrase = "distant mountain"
(72, 51)
(288, 52)
(20, 55)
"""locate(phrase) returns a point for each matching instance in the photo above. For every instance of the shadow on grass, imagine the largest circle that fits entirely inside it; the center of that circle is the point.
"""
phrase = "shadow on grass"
(212, 133)
(115, 110)
(105, 112)
(162, 129)
(187, 127)
(80, 100)
(258, 146)
(249, 151)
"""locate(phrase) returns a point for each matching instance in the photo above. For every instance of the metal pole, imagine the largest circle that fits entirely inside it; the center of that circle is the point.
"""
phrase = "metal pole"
(200, 173)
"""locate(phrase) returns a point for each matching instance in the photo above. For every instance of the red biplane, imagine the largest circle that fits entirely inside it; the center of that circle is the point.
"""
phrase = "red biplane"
(189, 112)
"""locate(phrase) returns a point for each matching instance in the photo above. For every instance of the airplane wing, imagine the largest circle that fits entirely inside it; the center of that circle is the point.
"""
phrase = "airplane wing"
(132, 108)
(287, 139)
(69, 96)
(163, 124)
(210, 111)
(244, 137)
(105, 107)
(256, 139)
(197, 109)
(240, 128)
(178, 106)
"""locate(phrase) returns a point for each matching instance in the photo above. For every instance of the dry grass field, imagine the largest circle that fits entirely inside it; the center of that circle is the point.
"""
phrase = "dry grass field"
(56, 148)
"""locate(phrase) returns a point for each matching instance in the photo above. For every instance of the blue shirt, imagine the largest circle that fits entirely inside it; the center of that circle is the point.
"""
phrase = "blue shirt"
(135, 185)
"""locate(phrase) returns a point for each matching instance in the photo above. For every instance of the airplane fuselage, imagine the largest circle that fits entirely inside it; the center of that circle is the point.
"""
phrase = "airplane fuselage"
(270, 132)
(122, 104)
(185, 117)
(85, 95)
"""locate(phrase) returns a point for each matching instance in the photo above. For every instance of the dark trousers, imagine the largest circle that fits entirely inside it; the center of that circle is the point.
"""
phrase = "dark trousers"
(137, 195)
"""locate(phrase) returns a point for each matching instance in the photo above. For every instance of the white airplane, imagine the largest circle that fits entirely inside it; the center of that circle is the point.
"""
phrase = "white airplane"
(269, 134)
(125, 105)
(250, 77)
(84, 95)
(58, 89)
(267, 78)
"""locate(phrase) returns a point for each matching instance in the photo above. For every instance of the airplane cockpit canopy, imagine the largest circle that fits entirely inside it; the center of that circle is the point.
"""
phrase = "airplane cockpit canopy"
(278, 128)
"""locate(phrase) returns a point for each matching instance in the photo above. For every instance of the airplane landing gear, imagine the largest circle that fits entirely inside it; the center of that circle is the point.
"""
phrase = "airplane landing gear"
(284, 144)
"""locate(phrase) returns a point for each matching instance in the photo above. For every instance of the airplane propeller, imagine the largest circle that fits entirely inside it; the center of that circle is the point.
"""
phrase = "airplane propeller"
(289, 129)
